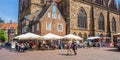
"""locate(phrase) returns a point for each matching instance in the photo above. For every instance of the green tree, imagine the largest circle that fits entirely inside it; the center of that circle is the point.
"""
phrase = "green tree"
(1, 21)
(3, 36)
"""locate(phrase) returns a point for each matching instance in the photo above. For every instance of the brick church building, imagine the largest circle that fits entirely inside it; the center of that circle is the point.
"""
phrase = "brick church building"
(84, 18)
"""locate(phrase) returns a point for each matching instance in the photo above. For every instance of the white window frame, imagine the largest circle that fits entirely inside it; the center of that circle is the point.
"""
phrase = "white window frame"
(49, 15)
(59, 16)
(25, 29)
(32, 28)
(47, 26)
(54, 14)
(58, 27)
(38, 26)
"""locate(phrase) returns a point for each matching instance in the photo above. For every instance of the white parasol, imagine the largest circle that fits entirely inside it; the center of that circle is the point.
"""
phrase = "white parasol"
(51, 36)
(28, 36)
(71, 36)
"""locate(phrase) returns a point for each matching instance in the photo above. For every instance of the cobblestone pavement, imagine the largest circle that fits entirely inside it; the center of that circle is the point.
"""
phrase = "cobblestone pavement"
(83, 54)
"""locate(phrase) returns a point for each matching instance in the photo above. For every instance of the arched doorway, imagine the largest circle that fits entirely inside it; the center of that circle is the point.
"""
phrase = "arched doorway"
(101, 35)
(74, 33)
(90, 34)
(85, 37)
(80, 34)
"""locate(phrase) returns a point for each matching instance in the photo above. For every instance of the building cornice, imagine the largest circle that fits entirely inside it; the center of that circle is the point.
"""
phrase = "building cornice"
(98, 6)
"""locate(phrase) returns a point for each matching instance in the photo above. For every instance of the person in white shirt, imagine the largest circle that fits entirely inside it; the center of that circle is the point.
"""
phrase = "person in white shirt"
(69, 51)
(13, 43)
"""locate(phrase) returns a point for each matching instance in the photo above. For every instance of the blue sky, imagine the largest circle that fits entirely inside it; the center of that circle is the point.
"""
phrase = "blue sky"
(117, 1)
(9, 10)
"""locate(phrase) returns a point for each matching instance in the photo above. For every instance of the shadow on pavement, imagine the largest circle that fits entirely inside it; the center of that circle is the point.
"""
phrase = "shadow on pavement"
(6, 47)
(113, 50)
(66, 54)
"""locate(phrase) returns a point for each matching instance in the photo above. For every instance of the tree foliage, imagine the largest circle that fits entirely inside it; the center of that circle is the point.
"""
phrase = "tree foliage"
(1, 21)
(3, 36)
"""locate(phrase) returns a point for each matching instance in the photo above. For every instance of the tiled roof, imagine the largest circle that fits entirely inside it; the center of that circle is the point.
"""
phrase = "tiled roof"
(38, 14)
(43, 12)
(32, 15)
(8, 25)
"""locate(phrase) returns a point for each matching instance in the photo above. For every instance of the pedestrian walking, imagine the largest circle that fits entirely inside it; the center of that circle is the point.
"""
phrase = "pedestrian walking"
(88, 44)
(16, 46)
(69, 52)
(99, 44)
(74, 47)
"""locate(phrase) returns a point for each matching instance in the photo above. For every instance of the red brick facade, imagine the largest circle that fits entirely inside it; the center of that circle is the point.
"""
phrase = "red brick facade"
(10, 29)
(37, 21)
(54, 23)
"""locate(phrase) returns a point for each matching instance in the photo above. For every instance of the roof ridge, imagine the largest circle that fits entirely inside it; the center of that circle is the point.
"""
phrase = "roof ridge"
(27, 16)
(43, 12)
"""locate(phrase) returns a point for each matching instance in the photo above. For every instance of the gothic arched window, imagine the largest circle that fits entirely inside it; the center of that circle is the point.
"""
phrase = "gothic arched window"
(101, 22)
(82, 19)
(26, 3)
(113, 25)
